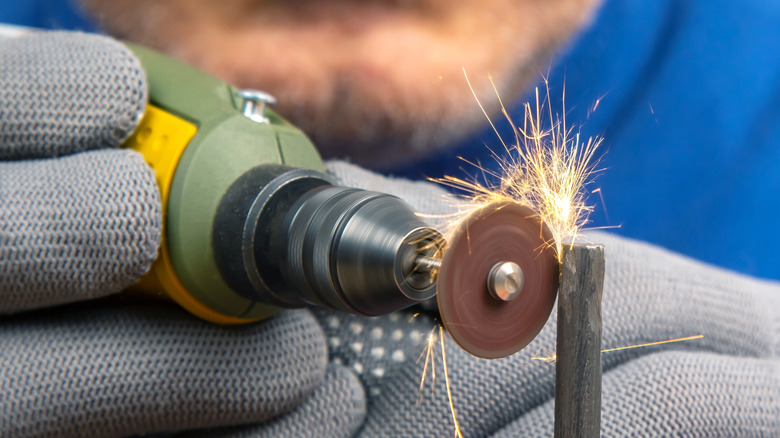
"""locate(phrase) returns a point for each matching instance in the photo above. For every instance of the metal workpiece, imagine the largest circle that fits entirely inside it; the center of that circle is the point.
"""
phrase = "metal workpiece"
(299, 240)
(498, 280)
(578, 364)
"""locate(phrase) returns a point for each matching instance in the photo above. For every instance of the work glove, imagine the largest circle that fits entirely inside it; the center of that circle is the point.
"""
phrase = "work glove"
(111, 369)
(80, 219)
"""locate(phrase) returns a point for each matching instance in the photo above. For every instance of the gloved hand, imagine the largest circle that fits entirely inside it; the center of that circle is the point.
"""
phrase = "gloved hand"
(81, 219)
(112, 369)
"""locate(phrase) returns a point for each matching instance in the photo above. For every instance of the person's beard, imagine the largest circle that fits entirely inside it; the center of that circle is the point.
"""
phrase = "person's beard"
(377, 82)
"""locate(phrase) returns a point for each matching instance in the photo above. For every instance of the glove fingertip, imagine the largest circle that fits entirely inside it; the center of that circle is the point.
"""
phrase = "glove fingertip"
(337, 408)
(67, 92)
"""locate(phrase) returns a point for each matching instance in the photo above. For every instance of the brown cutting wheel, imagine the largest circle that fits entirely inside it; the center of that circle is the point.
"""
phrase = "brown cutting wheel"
(481, 323)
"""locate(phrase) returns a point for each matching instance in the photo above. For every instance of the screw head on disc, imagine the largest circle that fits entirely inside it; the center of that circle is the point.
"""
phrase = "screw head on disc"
(497, 235)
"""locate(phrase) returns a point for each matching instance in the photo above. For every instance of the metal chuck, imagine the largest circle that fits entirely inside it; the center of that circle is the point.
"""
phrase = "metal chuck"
(289, 237)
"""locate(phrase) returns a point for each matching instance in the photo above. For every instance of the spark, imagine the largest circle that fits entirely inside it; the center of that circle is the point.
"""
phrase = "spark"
(594, 107)
(552, 357)
(546, 169)
(603, 204)
(430, 362)
(649, 344)
(447, 381)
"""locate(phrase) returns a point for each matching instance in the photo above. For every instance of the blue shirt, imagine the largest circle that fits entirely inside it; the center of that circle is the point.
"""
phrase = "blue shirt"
(690, 114)
(689, 108)
(46, 14)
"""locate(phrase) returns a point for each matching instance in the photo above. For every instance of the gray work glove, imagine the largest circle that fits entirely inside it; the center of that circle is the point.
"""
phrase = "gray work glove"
(80, 219)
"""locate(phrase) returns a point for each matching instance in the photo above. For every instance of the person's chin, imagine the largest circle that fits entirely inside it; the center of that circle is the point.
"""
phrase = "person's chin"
(380, 83)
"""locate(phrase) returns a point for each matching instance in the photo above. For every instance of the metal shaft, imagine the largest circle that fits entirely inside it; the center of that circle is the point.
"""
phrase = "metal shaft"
(578, 366)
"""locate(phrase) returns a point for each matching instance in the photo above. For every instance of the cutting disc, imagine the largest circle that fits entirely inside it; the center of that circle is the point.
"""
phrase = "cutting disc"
(480, 323)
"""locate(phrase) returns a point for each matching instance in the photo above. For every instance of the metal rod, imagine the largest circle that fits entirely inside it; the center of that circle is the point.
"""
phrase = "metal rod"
(578, 365)
(427, 263)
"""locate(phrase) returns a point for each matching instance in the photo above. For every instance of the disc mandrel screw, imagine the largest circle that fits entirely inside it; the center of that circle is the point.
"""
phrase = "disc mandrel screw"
(505, 281)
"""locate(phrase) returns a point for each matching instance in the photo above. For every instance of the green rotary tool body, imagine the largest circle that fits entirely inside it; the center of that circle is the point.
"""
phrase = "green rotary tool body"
(252, 224)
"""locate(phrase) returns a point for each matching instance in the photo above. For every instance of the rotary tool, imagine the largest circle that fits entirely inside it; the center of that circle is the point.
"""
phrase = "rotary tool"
(253, 225)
